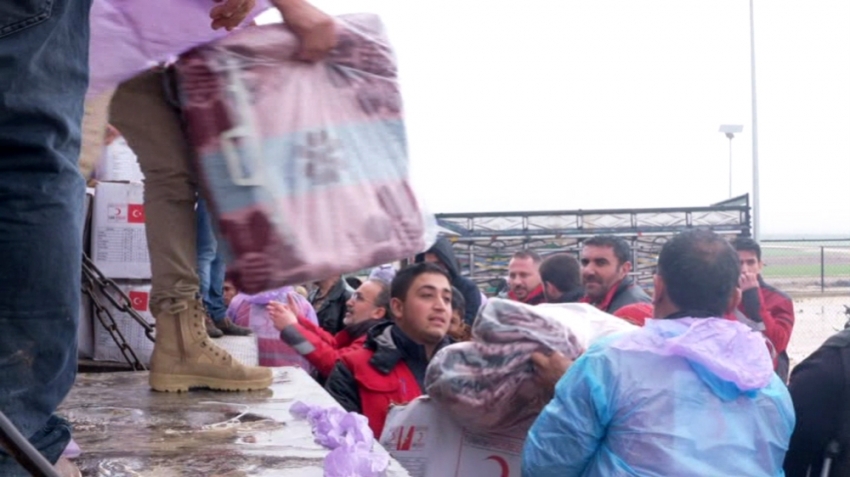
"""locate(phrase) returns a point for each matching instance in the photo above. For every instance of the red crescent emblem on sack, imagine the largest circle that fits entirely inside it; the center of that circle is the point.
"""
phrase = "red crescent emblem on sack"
(506, 470)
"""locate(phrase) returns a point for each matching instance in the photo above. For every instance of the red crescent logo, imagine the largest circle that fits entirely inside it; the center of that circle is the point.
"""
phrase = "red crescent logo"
(506, 470)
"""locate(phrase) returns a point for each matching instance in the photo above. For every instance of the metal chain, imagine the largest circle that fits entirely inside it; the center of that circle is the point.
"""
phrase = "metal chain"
(95, 285)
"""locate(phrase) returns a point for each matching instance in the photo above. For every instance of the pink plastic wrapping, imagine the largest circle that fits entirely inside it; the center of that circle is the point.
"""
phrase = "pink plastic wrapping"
(488, 384)
(305, 165)
(350, 439)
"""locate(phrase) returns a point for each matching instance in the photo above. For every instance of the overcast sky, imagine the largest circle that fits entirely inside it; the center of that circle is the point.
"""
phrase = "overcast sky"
(564, 104)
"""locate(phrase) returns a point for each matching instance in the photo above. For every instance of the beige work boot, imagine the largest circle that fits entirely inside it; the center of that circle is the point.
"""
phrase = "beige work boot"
(184, 357)
(66, 468)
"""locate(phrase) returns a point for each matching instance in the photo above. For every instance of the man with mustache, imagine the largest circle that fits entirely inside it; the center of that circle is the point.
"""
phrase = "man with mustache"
(605, 266)
(390, 369)
(524, 278)
(367, 307)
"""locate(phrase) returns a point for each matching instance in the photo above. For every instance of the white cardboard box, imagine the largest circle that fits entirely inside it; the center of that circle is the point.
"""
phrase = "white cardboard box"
(119, 245)
(242, 348)
(118, 163)
(428, 443)
(105, 348)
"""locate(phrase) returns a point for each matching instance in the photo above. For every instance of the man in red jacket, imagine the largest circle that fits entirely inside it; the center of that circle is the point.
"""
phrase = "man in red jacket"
(763, 307)
(366, 308)
(524, 278)
(390, 369)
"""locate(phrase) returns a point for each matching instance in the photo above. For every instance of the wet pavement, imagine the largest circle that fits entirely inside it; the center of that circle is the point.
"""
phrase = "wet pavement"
(125, 429)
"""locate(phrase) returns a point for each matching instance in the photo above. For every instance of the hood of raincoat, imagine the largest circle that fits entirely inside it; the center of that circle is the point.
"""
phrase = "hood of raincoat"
(729, 357)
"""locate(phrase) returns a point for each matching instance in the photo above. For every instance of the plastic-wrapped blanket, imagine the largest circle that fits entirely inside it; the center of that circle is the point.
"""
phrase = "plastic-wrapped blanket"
(678, 397)
(304, 165)
(250, 311)
(488, 384)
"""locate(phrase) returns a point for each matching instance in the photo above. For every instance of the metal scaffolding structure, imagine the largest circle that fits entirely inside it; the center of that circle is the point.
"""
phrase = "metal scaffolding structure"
(485, 242)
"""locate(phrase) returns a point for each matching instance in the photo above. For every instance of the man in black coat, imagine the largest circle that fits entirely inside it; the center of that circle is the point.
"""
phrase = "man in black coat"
(820, 389)
(329, 299)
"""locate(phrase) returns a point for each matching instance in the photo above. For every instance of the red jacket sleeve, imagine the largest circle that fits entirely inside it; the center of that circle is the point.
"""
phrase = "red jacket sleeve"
(778, 318)
(324, 355)
(310, 327)
(775, 310)
(328, 349)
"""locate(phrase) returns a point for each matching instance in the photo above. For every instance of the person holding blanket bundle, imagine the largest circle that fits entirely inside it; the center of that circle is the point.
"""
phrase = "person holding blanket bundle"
(691, 393)
(44, 75)
(183, 357)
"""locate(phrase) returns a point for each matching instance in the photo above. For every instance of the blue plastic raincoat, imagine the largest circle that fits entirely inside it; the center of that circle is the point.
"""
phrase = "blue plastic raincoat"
(683, 397)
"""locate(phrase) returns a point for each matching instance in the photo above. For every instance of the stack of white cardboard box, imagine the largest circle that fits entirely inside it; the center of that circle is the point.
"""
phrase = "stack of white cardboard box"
(119, 249)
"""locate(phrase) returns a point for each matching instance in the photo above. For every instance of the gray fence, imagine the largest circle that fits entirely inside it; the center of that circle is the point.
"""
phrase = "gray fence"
(817, 276)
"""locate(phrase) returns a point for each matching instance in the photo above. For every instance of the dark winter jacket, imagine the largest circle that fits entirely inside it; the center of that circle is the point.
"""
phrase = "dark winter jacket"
(444, 251)
(389, 370)
(572, 296)
(770, 311)
(626, 292)
(821, 395)
(332, 310)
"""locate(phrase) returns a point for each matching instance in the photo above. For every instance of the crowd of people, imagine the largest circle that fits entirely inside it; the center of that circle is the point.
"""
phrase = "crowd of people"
(696, 390)
(722, 382)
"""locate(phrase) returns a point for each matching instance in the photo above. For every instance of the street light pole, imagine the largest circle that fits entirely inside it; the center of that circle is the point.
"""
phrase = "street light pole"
(730, 130)
(730, 136)
(756, 205)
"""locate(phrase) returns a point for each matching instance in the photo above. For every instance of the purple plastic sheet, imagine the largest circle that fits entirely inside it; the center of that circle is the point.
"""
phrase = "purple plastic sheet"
(72, 450)
(348, 436)
(128, 36)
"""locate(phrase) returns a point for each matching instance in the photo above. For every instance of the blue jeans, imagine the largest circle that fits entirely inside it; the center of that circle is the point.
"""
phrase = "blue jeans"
(211, 266)
(43, 80)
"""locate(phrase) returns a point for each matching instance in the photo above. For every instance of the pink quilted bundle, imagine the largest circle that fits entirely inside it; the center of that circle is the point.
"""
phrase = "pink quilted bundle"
(488, 384)
(305, 165)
